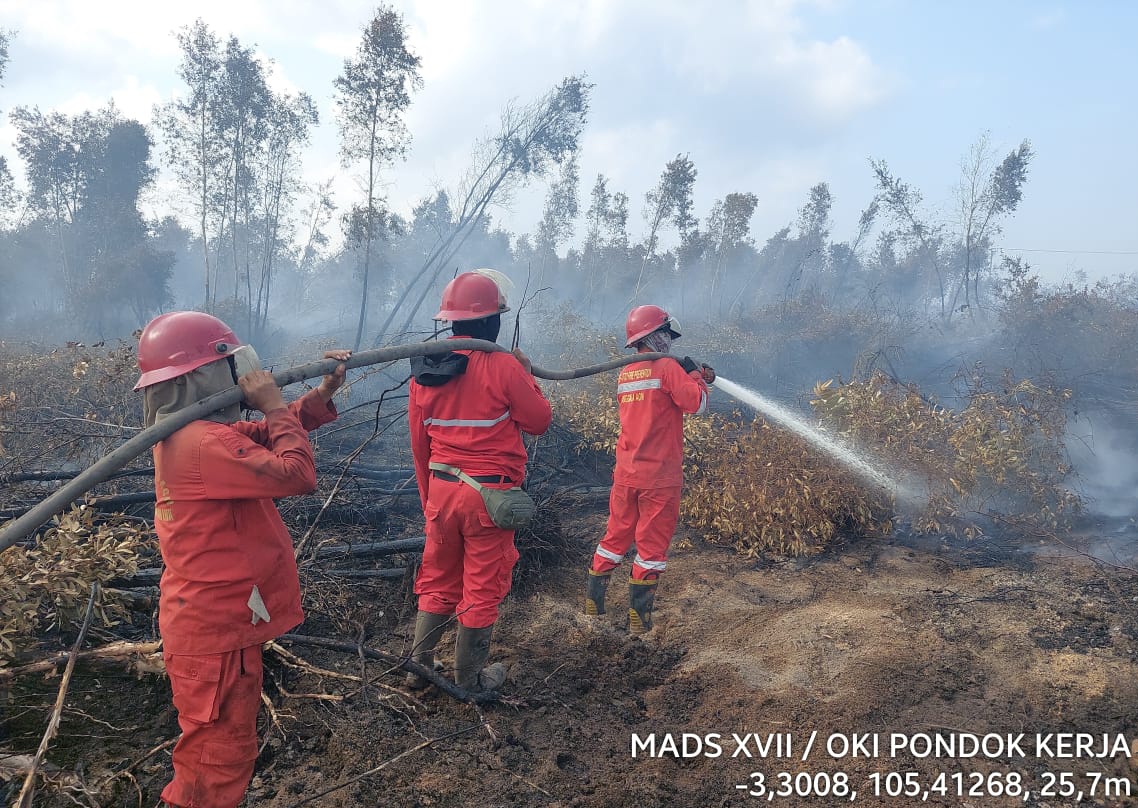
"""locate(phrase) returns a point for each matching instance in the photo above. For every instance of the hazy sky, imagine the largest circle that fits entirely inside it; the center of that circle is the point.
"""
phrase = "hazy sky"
(769, 97)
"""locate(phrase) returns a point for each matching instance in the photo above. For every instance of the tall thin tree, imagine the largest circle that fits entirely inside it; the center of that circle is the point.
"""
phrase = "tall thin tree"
(190, 128)
(532, 141)
(7, 186)
(372, 94)
(670, 199)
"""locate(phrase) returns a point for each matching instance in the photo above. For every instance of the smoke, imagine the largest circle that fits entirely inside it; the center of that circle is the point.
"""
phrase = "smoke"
(829, 444)
(1102, 451)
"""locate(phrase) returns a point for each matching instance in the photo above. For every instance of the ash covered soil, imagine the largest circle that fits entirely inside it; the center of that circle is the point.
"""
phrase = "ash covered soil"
(878, 637)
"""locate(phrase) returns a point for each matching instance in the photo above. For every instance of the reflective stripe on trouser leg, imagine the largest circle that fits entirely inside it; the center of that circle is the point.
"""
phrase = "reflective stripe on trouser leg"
(659, 510)
(653, 566)
(621, 529)
(607, 555)
(217, 707)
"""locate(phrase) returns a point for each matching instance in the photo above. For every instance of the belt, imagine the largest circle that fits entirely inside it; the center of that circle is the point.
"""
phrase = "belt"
(481, 478)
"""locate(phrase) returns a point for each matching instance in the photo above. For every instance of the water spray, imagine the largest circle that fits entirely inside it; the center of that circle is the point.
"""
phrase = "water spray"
(26, 524)
(816, 437)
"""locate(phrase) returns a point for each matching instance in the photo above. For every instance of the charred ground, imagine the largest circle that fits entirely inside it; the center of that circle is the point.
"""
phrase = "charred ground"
(871, 636)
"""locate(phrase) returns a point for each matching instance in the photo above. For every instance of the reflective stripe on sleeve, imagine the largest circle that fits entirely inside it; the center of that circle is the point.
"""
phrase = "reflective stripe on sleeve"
(465, 421)
(644, 384)
(702, 404)
(611, 556)
(649, 565)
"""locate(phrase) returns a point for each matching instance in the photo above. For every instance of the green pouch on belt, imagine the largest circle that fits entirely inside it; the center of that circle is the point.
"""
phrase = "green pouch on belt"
(510, 509)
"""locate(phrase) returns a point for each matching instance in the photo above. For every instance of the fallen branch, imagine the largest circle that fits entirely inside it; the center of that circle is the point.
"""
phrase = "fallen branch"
(25, 798)
(315, 696)
(370, 473)
(297, 662)
(114, 651)
(137, 597)
(381, 548)
(361, 511)
(149, 577)
(14, 765)
(273, 716)
(52, 476)
(406, 663)
(139, 760)
(308, 534)
(385, 764)
(393, 572)
(108, 502)
(347, 463)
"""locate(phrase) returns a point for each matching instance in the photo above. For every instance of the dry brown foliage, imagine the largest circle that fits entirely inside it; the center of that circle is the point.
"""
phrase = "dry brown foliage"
(747, 485)
(758, 487)
(46, 586)
(71, 404)
(1002, 455)
(61, 410)
(762, 488)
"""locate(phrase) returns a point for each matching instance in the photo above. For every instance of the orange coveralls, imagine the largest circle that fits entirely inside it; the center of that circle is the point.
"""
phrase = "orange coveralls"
(230, 584)
(474, 422)
(645, 501)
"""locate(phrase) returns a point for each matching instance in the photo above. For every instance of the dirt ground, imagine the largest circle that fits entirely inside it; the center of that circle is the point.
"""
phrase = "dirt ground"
(877, 638)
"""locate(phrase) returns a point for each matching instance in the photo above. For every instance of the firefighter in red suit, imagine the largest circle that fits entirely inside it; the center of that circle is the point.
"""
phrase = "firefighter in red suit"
(230, 581)
(467, 410)
(645, 501)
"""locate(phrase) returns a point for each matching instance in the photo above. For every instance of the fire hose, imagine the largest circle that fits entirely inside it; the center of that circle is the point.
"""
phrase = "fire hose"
(23, 526)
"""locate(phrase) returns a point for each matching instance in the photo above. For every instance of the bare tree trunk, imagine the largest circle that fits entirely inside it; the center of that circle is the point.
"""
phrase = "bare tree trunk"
(369, 236)
(203, 156)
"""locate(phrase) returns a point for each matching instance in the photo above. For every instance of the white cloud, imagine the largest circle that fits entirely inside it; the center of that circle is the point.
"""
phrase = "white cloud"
(443, 35)
(276, 77)
(666, 72)
(764, 50)
(123, 28)
(840, 78)
(340, 45)
(133, 99)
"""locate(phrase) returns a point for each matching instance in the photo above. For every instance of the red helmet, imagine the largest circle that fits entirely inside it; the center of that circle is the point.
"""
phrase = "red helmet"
(471, 296)
(643, 320)
(175, 343)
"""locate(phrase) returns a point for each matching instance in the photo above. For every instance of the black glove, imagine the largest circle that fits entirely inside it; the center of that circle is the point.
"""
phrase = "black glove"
(689, 364)
(708, 373)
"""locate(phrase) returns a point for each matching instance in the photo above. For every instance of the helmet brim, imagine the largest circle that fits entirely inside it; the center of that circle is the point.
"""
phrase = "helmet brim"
(458, 315)
(174, 371)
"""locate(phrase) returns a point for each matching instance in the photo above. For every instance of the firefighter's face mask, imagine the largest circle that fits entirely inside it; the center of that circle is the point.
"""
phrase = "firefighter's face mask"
(241, 361)
(658, 341)
(244, 359)
(486, 328)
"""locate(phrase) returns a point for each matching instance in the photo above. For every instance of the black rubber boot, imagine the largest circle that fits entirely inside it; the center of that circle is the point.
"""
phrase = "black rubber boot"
(428, 628)
(641, 597)
(471, 649)
(595, 588)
